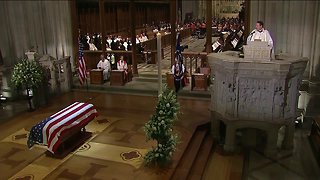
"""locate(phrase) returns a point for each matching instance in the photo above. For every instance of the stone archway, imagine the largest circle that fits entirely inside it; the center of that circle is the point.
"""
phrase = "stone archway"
(252, 138)
(270, 129)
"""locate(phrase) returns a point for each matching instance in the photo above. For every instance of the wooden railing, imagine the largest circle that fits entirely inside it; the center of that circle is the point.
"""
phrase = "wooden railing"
(165, 40)
(194, 60)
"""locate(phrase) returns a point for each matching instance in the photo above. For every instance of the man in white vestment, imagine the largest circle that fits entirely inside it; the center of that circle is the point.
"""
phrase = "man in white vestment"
(261, 34)
(104, 64)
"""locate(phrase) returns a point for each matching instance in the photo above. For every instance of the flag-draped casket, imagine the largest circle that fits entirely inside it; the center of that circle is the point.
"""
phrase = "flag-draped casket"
(51, 131)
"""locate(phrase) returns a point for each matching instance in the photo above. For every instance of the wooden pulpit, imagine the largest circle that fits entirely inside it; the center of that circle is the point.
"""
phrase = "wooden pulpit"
(199, 82)
(117, 78)
(96, 76)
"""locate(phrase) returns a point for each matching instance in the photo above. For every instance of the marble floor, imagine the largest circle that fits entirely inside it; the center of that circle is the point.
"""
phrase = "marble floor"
(114, 151)
(296, 164)
(118, 143)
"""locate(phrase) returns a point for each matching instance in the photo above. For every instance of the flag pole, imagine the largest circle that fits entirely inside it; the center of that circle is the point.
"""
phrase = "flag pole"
(88, 88)
(85, 71)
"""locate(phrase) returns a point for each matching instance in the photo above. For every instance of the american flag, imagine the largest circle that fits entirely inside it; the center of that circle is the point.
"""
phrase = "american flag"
(82, 64)
(178, 47)
(49, 131)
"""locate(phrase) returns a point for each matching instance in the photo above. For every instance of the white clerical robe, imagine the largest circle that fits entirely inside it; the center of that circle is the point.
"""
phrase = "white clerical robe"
(92, 47)
(145, 38)
(263, 35)
(125, 44)
(109, 41)
(105, 65)
(122, 65)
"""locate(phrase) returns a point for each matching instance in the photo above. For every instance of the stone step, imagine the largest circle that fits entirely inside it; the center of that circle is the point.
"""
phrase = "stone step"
(139, 88)
(149, 79)
(189, 156)
(151, 75)
(202, 158)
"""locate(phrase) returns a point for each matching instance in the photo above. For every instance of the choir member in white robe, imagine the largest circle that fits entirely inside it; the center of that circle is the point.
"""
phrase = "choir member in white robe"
(104, 64)
(92, 47)
(108, 48)
(137, 39)
(88, 38)
(109, 40)
(125, 44)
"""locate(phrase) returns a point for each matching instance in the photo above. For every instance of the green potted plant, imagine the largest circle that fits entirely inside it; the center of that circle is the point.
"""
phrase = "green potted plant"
(28, 75)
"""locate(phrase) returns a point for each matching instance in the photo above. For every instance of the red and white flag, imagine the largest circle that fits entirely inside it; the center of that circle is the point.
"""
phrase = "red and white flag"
(82, 70)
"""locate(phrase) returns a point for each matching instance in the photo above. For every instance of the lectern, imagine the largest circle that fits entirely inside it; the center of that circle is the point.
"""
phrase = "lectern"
(257, 51)
(117, 78)
(96, 76)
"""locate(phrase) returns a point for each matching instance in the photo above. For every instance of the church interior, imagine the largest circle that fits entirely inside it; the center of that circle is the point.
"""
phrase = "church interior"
(160, 89)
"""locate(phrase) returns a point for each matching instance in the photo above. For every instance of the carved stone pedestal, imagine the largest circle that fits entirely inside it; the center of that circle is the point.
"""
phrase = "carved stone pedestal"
(255, 94)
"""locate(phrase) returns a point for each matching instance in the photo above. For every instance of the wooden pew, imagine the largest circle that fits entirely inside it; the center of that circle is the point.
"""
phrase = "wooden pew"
(92, 58)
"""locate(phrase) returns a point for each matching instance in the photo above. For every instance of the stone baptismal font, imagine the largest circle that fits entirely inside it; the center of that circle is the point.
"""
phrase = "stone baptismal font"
(255, 93)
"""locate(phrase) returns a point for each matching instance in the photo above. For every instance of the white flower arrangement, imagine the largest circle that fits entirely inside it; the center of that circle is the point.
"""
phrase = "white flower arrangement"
(27, 74)
(159, 128)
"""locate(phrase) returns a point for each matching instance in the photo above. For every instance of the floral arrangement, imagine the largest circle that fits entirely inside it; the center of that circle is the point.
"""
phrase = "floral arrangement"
(159, 128)
(27, 74)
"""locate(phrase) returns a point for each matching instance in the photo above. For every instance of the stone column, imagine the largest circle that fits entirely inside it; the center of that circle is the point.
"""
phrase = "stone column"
(271, 148)
(102, 25)
(209, 26)
(215, 126)
(230, 138)
(289, 135)
(173, 19)
(133, 37)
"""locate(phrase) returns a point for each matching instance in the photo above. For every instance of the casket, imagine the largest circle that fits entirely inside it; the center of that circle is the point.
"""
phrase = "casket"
(57, 130)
